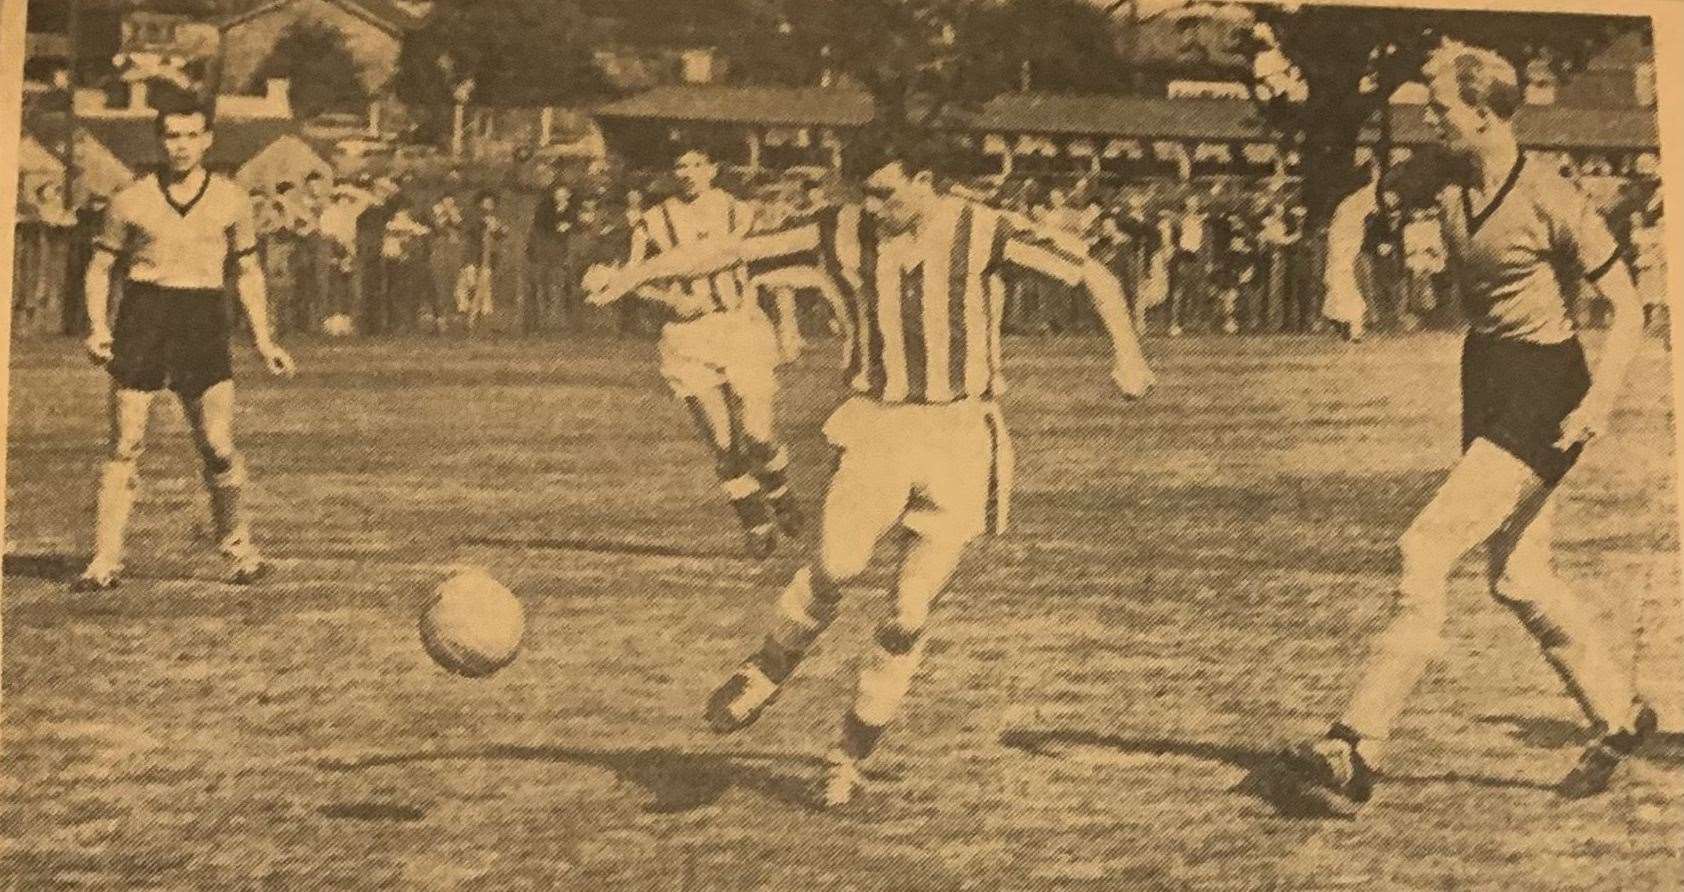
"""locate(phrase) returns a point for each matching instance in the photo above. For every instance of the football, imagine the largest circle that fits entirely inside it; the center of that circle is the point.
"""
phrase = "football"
(472, 624)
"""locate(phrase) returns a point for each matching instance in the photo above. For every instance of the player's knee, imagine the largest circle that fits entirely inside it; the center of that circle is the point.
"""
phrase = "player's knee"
(1543, 603)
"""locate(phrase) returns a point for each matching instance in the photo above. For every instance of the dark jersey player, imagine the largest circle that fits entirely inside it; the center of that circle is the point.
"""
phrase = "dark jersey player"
(177, 235)
(1529, 404)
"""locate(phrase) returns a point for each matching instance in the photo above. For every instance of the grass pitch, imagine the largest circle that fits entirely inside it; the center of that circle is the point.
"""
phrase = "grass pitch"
(1190, 580)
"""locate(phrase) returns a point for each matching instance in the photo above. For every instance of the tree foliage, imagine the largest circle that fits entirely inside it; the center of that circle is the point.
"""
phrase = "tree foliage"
(1351, 60)
(315, 58)
(517, 53)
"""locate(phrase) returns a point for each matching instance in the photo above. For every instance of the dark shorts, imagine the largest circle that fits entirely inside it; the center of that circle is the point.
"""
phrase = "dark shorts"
(170, 337)
(1516, 394)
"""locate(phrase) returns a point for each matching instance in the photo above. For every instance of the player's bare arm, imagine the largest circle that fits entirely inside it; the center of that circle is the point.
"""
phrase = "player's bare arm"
(1130, 371)
(254, 299)
(692, 261)
(96, 285)
(1042, 249)
(1625, 335)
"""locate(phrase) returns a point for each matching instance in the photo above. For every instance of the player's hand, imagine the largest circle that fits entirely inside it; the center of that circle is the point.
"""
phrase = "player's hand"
(277, 360)
(603, 285)
(98, 347)
(1133, 379)
(1582, 425)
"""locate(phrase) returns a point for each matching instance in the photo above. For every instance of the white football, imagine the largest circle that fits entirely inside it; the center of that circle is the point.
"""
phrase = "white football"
(472, 625)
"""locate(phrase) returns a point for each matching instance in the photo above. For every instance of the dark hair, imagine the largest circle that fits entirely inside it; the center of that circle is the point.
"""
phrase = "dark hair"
(688, 148)
(175, 102)
(314, 175)
(283, 187)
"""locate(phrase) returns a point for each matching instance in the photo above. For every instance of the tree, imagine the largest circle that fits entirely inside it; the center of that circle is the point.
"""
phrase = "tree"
(517, 52)
(314, 57)
(921, 59)
(1322, 73)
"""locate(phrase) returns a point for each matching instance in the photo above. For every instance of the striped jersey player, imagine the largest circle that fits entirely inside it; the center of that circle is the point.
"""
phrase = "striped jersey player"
(922, 442)
(177, 235)
(718, 351)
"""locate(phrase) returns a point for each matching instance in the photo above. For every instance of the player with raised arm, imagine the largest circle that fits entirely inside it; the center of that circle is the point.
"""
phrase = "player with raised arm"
(922, 442)
(718, 350)
(1529, 405)
(176, 234)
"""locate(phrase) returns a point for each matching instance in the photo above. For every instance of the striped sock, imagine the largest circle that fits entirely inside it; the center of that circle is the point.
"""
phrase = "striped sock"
(748, 502)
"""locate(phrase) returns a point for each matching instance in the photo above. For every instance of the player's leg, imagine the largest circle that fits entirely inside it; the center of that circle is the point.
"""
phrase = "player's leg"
(961, 471)
(1523, 579)
(128, 413)
(750, 389)
(711, 412)
(867, 494)
(1487, 487)
(210, 417)
(896, 653)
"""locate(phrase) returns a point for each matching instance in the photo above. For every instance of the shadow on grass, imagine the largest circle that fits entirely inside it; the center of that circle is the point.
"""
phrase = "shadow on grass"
(677, 781)
(1265, 778)
(599, 546)
(1542, 733)
(56, 567)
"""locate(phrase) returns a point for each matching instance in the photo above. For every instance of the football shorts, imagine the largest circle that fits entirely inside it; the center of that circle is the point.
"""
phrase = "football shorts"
(1516, 394)
(944, 470)
(170, 337)
(735, 349)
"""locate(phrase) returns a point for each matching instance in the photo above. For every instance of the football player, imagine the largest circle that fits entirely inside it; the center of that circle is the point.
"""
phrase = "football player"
(177, 234)
(922, 442)
(1529, 405)
(718, 350)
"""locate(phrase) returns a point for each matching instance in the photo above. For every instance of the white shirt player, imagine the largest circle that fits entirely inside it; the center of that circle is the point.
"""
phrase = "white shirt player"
(172, 245)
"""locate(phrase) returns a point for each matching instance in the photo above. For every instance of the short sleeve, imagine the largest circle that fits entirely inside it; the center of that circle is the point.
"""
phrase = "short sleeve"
(113, 235)
(1578, 231)
(242, 230)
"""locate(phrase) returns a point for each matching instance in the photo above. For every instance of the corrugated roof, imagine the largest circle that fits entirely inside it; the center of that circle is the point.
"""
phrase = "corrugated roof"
(1130, 116)
(786, 106)
(1140, 117)
(1219, 120)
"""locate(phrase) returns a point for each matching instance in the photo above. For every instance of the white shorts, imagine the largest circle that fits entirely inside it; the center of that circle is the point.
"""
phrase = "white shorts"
(736, 349)
(943, 471)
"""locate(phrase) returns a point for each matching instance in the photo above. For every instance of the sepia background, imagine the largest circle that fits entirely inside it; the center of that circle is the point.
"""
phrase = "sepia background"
(1190, 579)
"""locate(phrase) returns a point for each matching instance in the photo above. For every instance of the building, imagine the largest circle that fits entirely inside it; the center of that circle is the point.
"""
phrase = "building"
(374, 31)
(747, 126)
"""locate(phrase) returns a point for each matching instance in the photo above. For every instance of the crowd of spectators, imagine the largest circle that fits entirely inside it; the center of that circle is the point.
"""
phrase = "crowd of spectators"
(396, 254)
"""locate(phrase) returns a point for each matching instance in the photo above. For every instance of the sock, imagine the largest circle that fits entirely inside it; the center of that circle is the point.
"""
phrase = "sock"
(747, 501)
(770, 462)
(859, 737)
(228, 509)
(117, 485)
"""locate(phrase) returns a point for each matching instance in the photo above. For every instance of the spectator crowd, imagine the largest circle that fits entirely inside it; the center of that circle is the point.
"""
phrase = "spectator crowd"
(378, 255)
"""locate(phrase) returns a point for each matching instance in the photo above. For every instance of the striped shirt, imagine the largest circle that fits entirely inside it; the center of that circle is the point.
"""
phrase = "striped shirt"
(921, 313)
(179, 245)
(675, 222)
(1512, 257)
